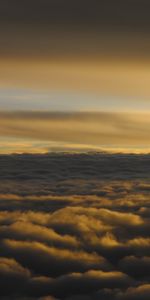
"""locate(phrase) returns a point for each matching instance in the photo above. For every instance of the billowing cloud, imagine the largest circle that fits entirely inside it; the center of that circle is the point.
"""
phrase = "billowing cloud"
(74, 227)
(138, 293)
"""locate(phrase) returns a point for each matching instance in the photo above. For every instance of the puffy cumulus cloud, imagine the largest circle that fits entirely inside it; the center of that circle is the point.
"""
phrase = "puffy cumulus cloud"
(47, 298)
(30, 231)
(103, 294)
(74, 227)
(137, 267)
(13, 276)
(141, 292)
(50, 260)
(140, 245)
(74, 283)
(116, 218)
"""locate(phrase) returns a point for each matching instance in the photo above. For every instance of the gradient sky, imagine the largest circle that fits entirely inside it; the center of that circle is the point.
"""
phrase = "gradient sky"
(61, 62)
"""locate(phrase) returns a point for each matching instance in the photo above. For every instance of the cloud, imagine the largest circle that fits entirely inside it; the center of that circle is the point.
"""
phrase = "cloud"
(13, 276)
(50, 260)
(120, 130)
(74, 227)
(137, 293)
(137, 267)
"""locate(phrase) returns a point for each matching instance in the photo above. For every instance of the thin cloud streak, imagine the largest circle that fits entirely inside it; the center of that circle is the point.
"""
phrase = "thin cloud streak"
(109, 130)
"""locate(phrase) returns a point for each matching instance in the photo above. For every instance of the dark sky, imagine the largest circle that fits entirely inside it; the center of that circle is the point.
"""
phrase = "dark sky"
(131, 15)
(75, 27)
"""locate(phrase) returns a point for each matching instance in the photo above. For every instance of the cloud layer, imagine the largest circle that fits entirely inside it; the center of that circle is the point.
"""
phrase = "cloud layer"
(103, 129)
(74, 227)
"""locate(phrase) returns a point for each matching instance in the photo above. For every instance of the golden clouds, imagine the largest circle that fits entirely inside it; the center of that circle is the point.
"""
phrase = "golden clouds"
(74, 226)
(101, 76)
(36, 252)
(99, 130)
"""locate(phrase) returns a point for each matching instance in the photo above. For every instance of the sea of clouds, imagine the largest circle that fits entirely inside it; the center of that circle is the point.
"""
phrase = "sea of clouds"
(75, 226)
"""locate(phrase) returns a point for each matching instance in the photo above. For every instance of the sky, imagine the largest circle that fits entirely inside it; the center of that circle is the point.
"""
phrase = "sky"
(74, 75)
(74, 149)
